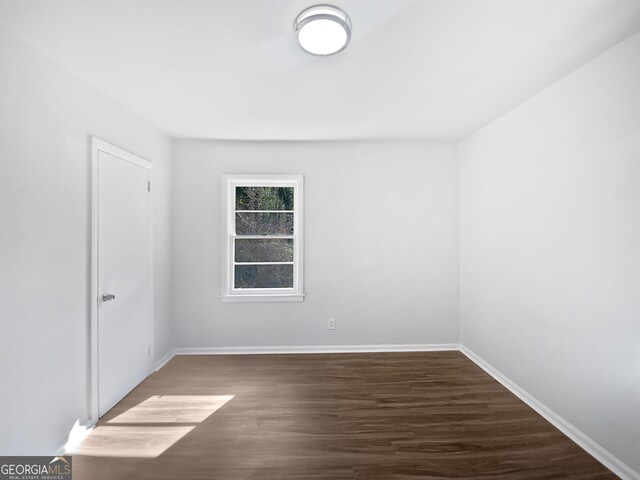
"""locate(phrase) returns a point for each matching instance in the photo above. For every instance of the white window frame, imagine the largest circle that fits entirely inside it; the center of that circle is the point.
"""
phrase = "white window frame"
(229, 292)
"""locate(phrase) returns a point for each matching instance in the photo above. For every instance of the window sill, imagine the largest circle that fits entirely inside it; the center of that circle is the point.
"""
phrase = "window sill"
(261, 298)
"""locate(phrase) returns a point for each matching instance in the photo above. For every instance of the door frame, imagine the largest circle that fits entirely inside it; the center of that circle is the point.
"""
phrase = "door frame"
(98, 145)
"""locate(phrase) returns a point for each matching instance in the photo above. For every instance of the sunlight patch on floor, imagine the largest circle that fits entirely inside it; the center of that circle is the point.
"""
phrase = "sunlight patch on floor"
(173, 409)
(133, 442)
(77, 435)
(145, 431)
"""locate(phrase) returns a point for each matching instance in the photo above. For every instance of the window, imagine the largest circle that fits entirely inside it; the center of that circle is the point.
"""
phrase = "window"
(262, 238)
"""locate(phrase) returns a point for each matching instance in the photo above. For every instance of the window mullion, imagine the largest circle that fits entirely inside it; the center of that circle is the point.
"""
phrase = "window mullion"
(264, 211)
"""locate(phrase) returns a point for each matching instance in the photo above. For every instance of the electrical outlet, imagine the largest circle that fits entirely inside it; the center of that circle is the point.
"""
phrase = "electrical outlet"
(331, 324)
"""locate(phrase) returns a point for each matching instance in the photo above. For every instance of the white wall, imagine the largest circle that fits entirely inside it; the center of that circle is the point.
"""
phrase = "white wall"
(46, 119)
(550, 248)
(381, 244)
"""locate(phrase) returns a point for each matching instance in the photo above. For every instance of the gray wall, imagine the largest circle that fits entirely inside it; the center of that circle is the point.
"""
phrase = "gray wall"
(47, 116)
(381, 244)
(550, 247)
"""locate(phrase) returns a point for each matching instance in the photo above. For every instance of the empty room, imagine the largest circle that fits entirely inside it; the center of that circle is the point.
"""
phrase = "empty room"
(279, 239)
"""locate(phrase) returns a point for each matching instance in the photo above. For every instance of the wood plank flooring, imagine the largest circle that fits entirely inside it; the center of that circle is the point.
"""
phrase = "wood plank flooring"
(361, 416)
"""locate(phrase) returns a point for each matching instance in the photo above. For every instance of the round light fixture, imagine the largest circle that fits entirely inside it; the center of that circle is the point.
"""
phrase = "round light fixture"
(323, 30)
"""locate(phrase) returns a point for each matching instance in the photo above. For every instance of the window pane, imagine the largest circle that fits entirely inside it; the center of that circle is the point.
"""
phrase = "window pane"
(249, 223)
(264, 250)
(264, 198)
(264, 276)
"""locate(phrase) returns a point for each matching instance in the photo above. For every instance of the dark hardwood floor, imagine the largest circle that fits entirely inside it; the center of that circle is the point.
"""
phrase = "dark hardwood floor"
(328, 416)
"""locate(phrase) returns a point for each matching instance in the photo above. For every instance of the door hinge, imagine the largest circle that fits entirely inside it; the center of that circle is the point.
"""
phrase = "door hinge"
(148, 186)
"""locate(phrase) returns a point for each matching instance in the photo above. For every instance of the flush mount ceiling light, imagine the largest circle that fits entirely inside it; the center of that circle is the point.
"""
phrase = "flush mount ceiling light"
(323, 30)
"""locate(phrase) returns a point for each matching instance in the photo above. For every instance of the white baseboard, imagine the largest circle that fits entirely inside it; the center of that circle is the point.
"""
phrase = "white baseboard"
(304, 349)
(605, 457)
(164, 360)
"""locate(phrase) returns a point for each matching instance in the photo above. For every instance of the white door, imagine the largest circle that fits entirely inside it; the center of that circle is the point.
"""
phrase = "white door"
(124, 285)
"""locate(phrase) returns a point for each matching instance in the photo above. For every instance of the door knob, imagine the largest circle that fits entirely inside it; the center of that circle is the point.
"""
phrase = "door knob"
(107, 297)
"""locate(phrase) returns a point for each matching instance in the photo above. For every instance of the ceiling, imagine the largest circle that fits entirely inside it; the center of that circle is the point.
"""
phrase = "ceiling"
(230, 69)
